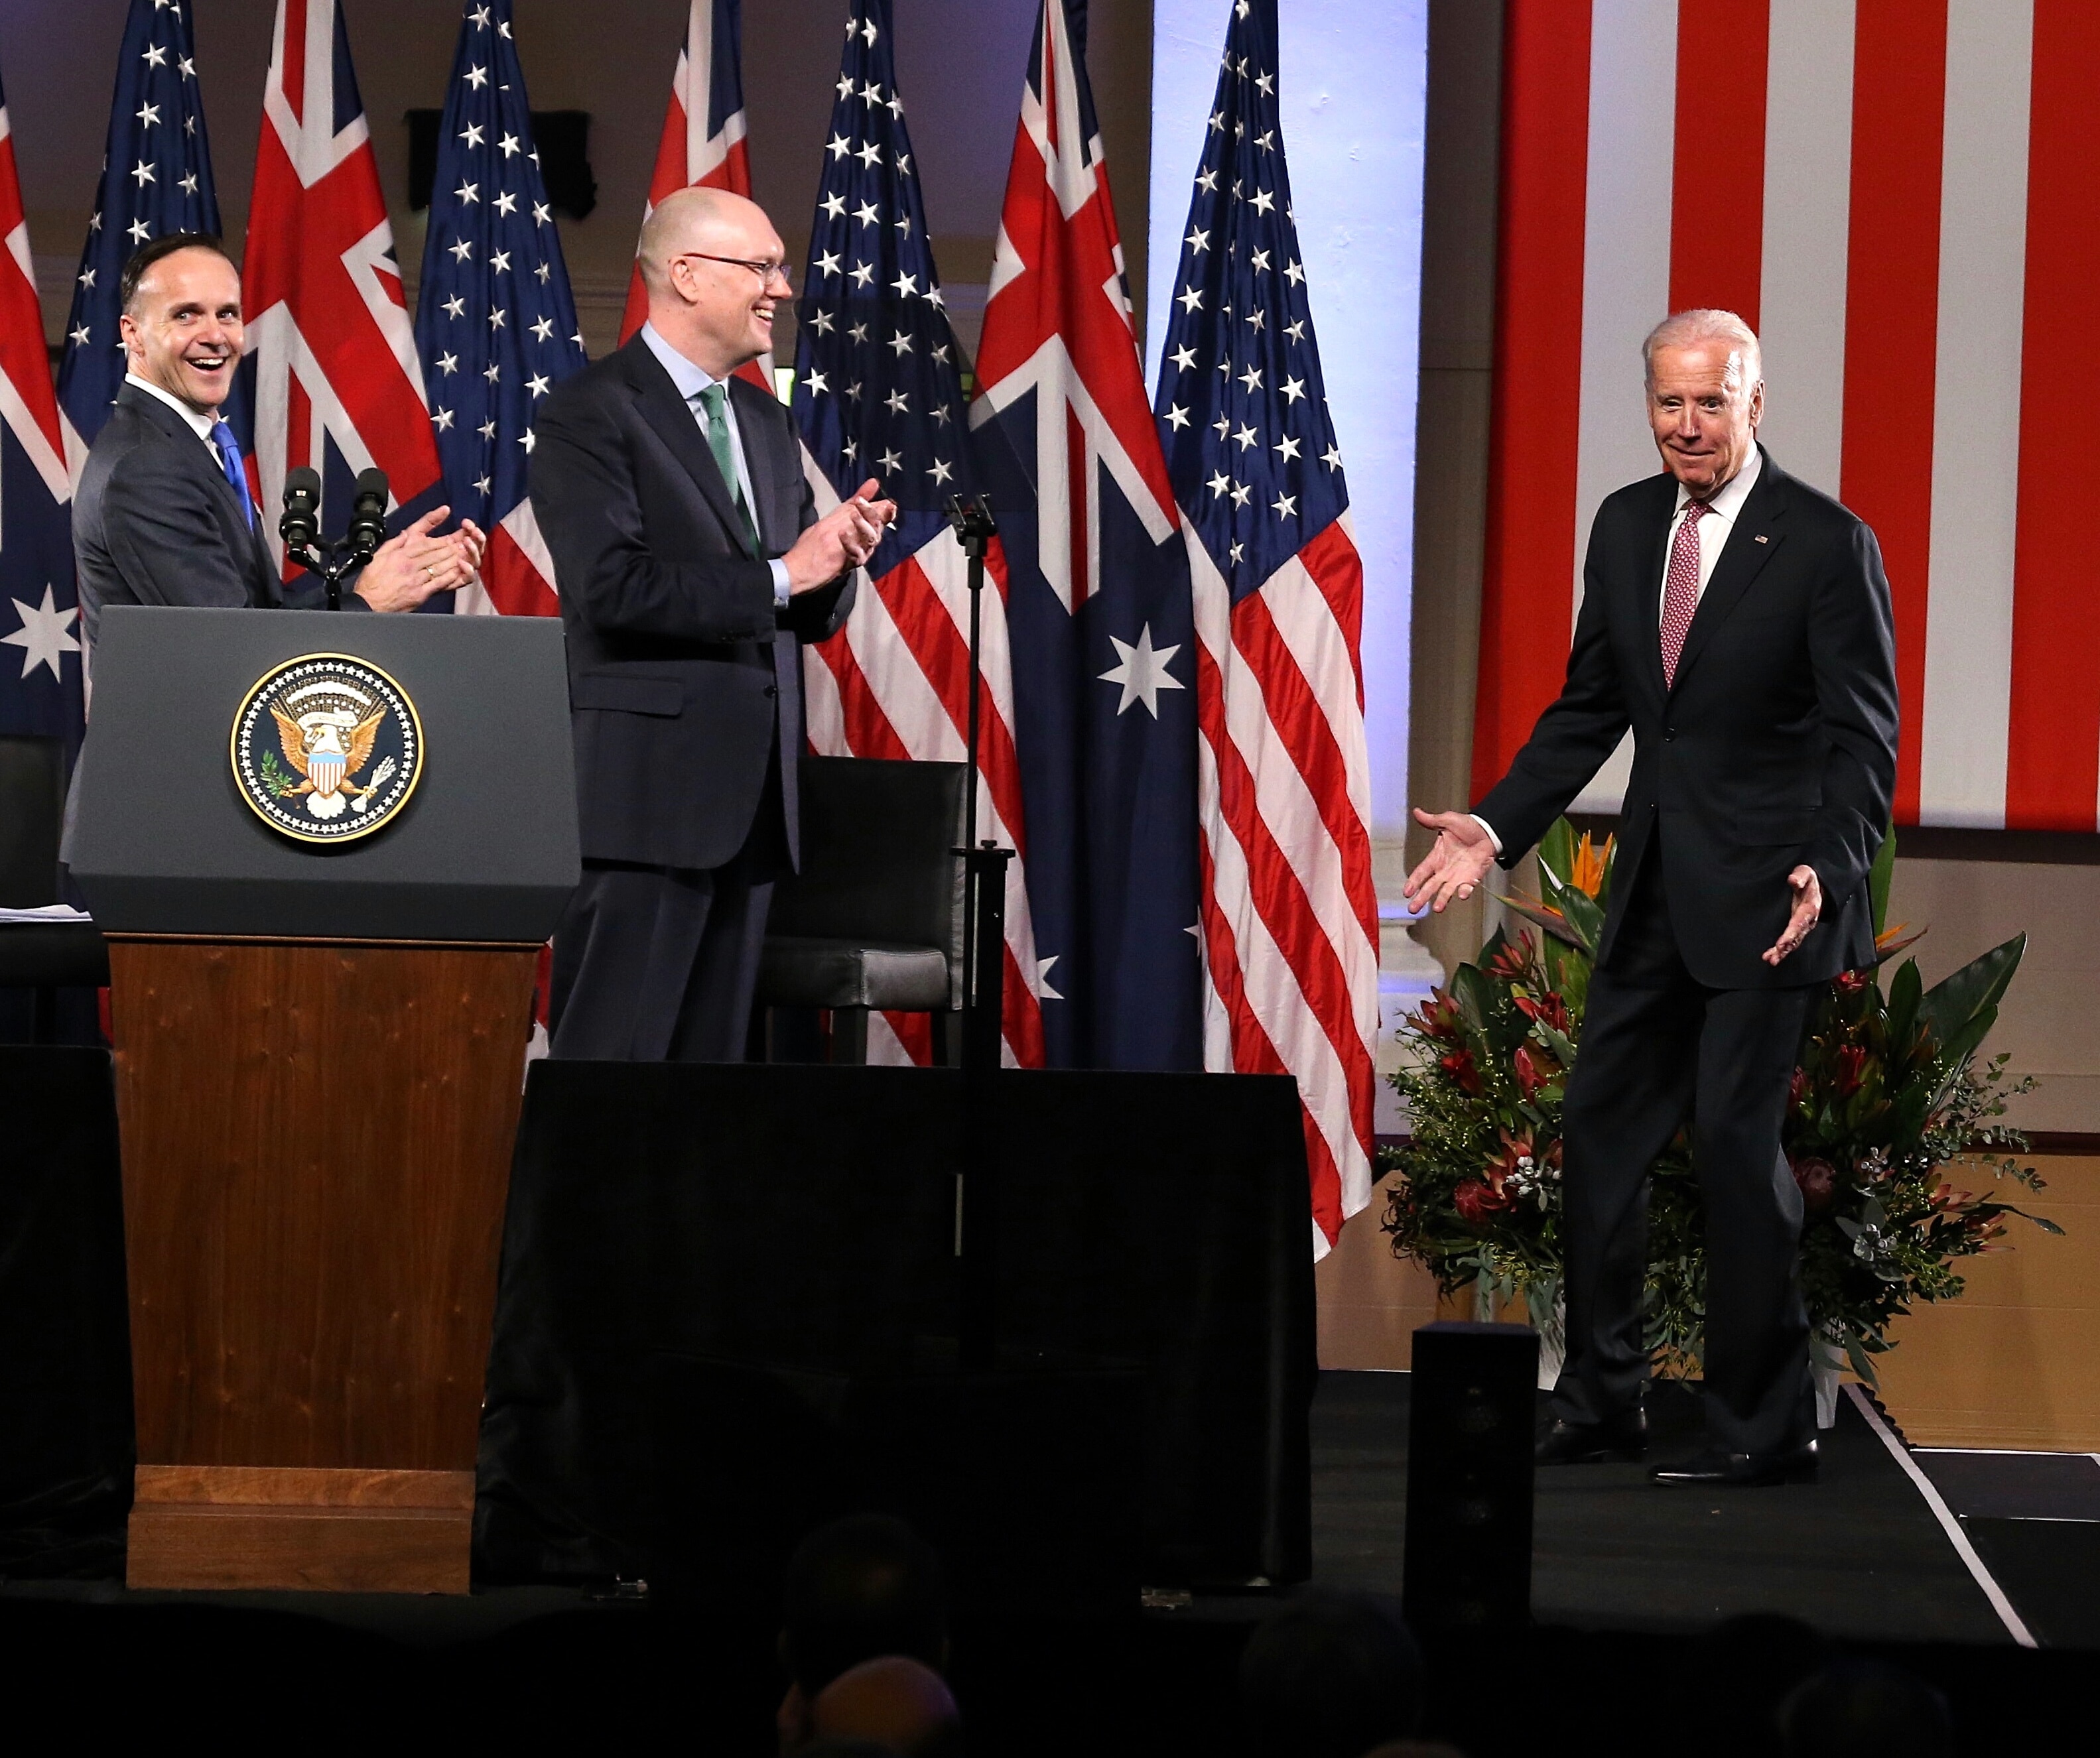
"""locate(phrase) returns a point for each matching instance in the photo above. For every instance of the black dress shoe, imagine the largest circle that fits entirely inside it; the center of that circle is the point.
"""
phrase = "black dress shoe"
(1622, 1441)
(1712, 1468)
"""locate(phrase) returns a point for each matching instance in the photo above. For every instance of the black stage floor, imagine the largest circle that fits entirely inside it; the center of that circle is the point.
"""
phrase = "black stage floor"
(1861, 1554)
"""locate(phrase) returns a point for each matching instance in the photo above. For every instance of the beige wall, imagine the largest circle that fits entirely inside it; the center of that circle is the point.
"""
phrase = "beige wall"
(960, 65)
(1974, 889)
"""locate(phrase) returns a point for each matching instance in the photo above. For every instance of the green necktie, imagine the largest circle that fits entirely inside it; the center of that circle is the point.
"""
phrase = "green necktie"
(724, 449)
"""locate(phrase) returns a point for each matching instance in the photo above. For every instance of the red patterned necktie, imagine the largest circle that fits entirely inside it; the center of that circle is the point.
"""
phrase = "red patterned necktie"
(1680, 597)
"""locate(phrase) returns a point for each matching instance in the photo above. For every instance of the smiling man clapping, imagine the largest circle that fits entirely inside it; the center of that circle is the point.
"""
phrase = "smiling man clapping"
(164, 514)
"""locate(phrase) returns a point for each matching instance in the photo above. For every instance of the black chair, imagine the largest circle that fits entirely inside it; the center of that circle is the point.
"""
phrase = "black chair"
(43, 957)
(874, 918)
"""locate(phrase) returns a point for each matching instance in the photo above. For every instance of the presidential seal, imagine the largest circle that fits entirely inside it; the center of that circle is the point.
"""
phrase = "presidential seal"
(326, 748)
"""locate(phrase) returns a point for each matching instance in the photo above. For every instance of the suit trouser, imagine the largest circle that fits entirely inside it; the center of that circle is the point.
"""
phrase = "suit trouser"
(661, 964)
(1658, 1048)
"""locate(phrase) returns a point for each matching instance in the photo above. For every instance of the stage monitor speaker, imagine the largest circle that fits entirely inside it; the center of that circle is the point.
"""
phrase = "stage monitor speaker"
(1469, 1470)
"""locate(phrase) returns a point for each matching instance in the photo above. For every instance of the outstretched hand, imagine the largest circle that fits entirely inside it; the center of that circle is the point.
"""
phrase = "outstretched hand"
(1807, 910)
(1459, 861)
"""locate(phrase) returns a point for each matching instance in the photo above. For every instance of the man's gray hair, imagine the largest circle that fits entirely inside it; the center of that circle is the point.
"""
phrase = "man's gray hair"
(1680, 329)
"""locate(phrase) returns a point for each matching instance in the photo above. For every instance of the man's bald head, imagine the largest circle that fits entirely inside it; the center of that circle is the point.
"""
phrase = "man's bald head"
(713, 267)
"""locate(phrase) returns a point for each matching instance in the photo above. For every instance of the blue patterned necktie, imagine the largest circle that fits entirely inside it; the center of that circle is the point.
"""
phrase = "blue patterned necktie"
(228, 449)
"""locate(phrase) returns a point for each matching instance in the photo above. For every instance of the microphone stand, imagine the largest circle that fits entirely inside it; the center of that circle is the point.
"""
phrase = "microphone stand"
(344, 553)
(984, 971)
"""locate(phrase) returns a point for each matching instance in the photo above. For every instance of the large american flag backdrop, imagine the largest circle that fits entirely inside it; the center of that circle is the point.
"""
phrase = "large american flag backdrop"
(878, 392)
(155, 179)
(1100, 622)
(40, 651)
(1291, 908)
(331, 352)
(496, 325)
(1899, 194)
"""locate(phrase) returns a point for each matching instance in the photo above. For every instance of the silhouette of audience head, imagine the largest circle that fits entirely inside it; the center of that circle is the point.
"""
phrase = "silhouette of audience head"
(861, 1588)
(1866, 1709)
(1748, 1664)
(1329, 1675)
(899, 1704)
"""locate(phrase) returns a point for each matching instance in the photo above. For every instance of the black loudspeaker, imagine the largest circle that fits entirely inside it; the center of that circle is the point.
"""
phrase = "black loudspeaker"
(1469, 1465)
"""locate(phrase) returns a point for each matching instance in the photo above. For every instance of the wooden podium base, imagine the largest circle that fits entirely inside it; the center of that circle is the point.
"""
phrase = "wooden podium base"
(317, 1140)
(332, 1531)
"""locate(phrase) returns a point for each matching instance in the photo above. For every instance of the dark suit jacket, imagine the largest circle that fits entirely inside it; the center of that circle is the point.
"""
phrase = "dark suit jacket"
(1777, 745)
(156, 521)
(683, 680)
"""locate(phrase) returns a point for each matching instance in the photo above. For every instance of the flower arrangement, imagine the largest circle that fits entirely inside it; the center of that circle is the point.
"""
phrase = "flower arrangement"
(1890, 1105)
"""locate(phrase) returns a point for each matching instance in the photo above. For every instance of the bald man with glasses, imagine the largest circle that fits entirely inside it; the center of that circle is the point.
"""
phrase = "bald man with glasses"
(691, 566)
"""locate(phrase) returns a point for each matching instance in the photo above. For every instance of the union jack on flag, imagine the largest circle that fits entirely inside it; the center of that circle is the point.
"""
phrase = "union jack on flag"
(702, 139)
(495, 326)
(1099, 619)
(331, 354)
(39, 609)
(1291, 914)
(155, 179)
(878, 392)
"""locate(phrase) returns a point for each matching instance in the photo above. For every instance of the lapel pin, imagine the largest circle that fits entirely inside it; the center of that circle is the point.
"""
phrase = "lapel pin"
(1760, 537)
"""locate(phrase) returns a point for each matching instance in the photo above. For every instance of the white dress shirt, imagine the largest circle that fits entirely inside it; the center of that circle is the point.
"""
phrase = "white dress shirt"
(200, 425)
(691, 380)
(1716, 525)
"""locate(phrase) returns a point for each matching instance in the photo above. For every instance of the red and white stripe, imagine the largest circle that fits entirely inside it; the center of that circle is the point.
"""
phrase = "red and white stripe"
(1290, 905)
(689, 153)
(1854, 177)
(28, 405)
(894, 682)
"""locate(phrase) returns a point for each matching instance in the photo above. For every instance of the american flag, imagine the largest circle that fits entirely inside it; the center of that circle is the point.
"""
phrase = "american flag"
(495, 326)
(331, 354)
(702, 139)
(1909, 201)
(878, 392)
(41, 695)
(155, 179)
(1290, 912)
(1099, 618)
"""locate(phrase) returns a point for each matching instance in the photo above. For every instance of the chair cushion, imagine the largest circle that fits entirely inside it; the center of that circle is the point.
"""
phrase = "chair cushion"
(795, 972)
(52, 955)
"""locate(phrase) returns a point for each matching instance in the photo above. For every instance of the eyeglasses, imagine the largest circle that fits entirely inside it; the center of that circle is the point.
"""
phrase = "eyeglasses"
(763, 270)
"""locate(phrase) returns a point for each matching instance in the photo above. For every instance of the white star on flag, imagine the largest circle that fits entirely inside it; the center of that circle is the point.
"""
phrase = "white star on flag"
(1142, 671)
(43, 636)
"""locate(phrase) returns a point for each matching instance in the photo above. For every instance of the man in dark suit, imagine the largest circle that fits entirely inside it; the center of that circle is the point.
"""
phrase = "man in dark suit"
(691, 564)
(163, 514)
(1739, 623)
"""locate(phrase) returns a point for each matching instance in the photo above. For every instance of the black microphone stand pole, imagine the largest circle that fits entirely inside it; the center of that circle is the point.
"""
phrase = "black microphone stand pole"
(984, 972)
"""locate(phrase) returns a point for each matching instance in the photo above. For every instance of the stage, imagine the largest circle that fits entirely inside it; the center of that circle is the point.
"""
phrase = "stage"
(1628, 1580)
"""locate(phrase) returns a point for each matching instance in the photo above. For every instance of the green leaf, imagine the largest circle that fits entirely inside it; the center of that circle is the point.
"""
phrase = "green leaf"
(2043, 1221)
(1878, 876)
(1583, 915)
(1474, 990)
(1905, 994)
(1951, 1003)
(1556, 850)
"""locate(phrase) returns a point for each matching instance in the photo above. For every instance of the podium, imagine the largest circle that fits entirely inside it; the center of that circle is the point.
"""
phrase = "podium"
(325, 851)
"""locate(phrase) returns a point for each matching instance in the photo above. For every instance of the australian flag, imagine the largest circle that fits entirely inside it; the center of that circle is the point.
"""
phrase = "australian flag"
(40, 651)
(496, 325)
(1098, 608)
(155, 179)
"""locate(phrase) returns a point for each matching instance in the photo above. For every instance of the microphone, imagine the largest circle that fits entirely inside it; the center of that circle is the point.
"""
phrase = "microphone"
(302, 522)
(367, 513)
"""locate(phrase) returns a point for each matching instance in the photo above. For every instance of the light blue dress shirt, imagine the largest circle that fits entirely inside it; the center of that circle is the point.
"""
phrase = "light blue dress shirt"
(691, 380)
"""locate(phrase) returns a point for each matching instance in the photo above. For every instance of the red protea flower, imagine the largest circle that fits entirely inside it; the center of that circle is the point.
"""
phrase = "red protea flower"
(1852, 982)
(1534, 1069)
(1458, 1065)
(1818, 1179)
(1512, 959)
(1796, 1087)
(1548, 1009)
(1476, 1201)
(1438, 1017)
(1851, 1068)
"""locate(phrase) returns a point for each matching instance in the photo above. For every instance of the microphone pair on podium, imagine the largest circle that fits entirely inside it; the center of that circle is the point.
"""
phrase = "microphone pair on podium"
(300, 526)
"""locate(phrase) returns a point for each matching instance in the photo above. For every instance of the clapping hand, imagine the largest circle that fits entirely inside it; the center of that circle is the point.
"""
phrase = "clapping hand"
(842, 540)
